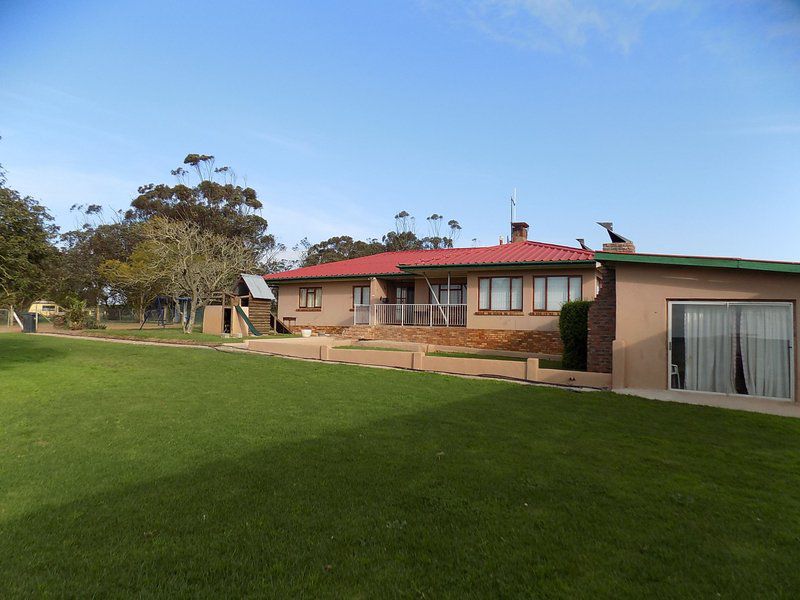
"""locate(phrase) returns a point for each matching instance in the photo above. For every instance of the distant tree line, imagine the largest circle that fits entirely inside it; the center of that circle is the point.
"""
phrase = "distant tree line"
(186, 240)
(403, 237)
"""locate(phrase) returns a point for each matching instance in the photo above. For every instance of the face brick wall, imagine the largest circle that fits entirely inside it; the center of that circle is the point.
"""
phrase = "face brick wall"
(544, 342)
(603, 323)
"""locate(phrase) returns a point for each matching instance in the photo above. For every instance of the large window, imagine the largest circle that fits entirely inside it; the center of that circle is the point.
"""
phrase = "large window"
(732, 348)
(500, 293)
(550, 293)
(458, 294)
(311, 297)
(360, 295)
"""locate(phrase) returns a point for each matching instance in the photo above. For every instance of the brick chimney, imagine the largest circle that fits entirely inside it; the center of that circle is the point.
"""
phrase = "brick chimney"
(620, 247)
(519, 232)
(619, 244)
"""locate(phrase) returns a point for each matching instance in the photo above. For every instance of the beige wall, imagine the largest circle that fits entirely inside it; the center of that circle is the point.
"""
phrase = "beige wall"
(213, 321)
(525, 320)
(643, 292)
(337, 302)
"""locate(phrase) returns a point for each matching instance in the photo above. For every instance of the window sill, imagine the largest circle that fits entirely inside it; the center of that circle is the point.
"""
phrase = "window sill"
(517, 313)
(545, 313)
(309, 309)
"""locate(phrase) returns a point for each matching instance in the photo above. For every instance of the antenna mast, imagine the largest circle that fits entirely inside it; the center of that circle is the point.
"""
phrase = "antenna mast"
(514, 206)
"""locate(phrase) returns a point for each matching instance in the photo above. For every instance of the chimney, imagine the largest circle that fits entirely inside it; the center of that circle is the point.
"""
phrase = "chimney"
(519, 232)
(619, 244)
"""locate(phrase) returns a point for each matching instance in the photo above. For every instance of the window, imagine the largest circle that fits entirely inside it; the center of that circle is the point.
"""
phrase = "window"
(550, 293)
(458, 293)
(500, 293)
(732, 348)
(361, 295)
(311, 297)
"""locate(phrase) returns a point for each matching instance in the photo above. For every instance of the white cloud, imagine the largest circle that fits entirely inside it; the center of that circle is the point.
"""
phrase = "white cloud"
(554, 25)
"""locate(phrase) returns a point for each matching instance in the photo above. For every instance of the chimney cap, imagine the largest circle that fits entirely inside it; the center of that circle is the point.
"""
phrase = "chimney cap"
(582, 242)
(518, 224)
(615, 237)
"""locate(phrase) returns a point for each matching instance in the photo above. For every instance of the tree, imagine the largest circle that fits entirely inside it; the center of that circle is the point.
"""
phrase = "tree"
(340, 248)
(194, 262)
(139, 279)
(85, 250)
(215, 203)
(27, 253)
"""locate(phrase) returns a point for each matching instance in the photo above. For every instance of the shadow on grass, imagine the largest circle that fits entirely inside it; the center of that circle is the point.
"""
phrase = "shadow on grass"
(15, 349)
(467, 500)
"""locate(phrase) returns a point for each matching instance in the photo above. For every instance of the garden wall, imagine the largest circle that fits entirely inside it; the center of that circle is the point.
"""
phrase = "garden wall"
(542, 342)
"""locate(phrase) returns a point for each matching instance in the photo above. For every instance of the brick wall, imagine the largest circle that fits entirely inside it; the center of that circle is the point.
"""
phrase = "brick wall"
(603, 323)
(329, 329)
(620, 247)
(545, 342)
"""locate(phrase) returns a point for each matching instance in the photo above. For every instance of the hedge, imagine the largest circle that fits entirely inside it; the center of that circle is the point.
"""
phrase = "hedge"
(573, 324)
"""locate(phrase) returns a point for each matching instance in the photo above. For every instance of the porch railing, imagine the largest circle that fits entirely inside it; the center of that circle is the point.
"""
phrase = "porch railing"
(426, 315)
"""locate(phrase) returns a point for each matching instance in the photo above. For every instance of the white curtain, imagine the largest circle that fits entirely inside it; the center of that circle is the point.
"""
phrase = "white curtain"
(709, 348)
(765, 334)
(557, 292)
(501, 293)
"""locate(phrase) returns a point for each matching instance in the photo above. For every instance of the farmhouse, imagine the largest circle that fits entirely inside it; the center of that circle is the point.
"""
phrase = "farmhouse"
(687, 328)
(503, 297)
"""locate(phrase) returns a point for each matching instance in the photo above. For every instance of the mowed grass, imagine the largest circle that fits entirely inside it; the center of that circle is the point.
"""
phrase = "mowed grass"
(544, 363)
(163, 334)
(175, 472)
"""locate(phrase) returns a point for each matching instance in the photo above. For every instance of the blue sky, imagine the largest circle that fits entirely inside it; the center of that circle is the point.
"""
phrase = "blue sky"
(679, 121)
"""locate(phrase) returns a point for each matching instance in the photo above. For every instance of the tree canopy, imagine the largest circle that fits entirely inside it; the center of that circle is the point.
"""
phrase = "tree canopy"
(27, 254)
(215, 202)
(404, 237)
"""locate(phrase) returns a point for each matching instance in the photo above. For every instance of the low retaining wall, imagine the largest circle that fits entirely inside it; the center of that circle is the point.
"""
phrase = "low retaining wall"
(381, 358)
(322, 349)
(541, 342)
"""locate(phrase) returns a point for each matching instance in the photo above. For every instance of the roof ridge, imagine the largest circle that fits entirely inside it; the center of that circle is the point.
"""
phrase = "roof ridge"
(552, 245)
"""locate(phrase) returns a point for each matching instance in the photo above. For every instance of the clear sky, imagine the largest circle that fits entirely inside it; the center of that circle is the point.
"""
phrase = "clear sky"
(678, 121)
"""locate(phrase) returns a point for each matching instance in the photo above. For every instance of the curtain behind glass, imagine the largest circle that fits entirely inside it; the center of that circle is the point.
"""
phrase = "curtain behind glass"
(501, 292)
(557, 292)
(483, 302)
(765, 334)
(709, 349)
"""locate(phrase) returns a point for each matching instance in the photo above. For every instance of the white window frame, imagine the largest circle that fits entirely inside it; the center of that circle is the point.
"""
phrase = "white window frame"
(790, 305)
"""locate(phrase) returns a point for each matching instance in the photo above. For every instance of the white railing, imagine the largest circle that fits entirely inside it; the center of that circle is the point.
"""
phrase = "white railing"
(427, 315)
(361, 314)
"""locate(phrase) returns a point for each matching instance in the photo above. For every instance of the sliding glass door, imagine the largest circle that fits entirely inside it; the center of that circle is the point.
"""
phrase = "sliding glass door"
(732, 348)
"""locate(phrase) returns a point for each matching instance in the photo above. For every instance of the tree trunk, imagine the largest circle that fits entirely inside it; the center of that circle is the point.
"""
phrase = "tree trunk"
(192, 314)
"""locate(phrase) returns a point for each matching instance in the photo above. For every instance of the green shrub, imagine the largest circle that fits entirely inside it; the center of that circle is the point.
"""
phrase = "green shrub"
(573, 324)
(76, 314)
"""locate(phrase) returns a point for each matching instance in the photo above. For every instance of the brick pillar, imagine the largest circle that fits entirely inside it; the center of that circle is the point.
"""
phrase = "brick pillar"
(603, 323)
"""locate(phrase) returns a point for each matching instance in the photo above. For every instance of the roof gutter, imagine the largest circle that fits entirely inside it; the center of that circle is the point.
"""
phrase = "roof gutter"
(699, 261)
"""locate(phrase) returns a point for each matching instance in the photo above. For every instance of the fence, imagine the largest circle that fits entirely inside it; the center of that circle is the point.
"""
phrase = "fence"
(426, 315)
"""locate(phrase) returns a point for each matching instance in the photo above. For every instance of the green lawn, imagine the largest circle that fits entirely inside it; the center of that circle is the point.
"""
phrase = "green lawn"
(150, 471)
(544, 363)
(381, 348)
(164, 334)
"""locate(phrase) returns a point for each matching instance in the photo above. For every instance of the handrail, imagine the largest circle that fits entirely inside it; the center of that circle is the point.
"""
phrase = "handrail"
(427, 315)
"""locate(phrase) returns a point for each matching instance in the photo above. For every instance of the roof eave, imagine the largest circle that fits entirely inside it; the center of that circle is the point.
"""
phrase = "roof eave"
(699, 261)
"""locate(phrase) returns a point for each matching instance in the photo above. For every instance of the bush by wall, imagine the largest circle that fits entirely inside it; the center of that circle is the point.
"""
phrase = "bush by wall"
(573, 324)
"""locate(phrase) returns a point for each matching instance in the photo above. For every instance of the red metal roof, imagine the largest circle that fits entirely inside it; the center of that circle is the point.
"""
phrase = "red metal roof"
(396, 263)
